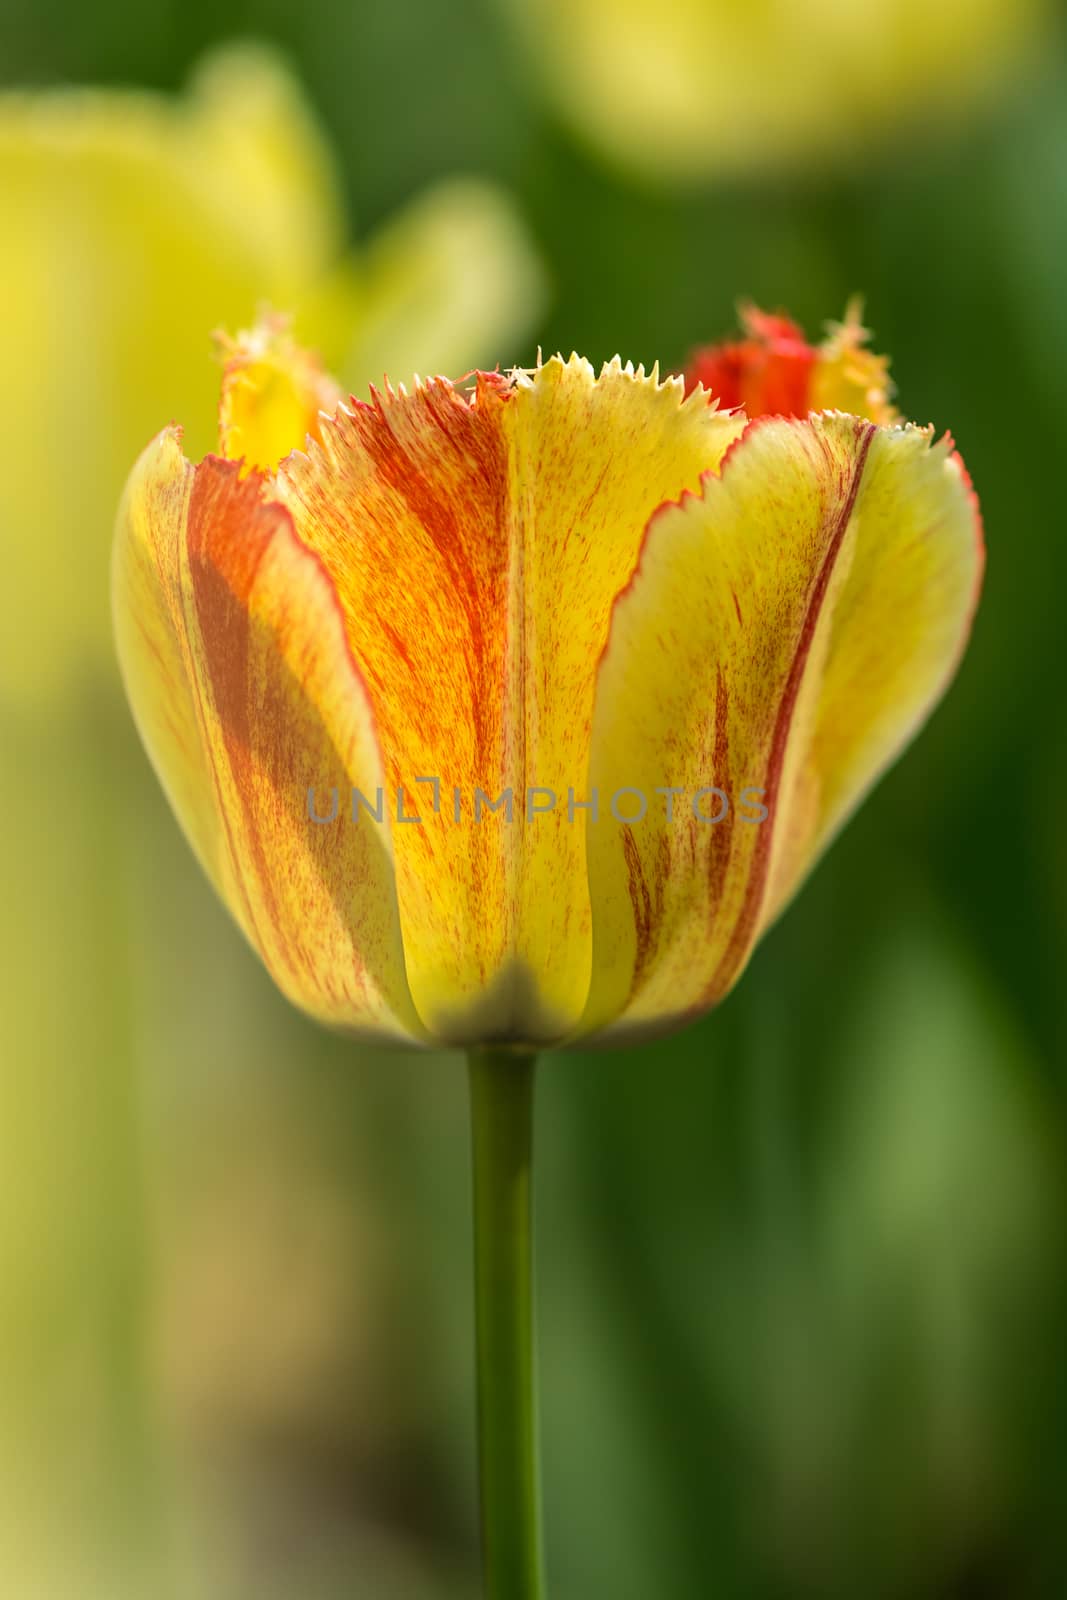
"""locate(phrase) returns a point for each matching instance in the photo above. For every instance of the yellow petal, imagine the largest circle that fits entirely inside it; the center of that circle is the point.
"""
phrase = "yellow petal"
(784, 635)
(273, 395)
(150, 638)
(477, 543)
(847, 376)
(235, 661)
(892, 642)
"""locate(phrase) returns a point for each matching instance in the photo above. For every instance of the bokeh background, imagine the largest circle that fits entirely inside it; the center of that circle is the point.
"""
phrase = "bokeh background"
(803, 1269)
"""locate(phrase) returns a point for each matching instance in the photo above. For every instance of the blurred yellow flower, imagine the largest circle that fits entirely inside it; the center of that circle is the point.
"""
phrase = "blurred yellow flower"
(518, 710)
(705, 88)
(133, 224)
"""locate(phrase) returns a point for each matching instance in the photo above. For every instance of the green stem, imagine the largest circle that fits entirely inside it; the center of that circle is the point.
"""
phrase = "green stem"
(501, 1086)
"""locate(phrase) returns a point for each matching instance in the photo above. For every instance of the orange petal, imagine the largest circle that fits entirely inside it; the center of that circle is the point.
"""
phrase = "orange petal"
(235, 661)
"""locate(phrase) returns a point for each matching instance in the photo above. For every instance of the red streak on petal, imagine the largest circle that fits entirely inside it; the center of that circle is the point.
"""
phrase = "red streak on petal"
(745, 927)
(458, 496)
(722, 833)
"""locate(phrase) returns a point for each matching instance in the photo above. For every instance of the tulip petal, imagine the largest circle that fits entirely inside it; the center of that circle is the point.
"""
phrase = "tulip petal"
(273, 394)
(149, 632)
(477, 544)
(893, 639)
(785, 633)
(235, 661)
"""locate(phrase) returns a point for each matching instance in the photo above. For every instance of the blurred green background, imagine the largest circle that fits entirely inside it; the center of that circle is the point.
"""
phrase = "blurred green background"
(803, 1274)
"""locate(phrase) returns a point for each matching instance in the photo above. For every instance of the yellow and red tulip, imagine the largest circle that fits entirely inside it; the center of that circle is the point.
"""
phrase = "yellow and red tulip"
(599, 588)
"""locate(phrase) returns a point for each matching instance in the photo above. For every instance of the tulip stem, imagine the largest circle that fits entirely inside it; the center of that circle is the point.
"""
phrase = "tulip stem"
(501, 1089)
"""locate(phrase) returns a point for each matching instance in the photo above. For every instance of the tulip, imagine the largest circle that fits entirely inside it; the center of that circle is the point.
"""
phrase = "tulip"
(545, 585)
(133, 224)
(696, 89)
(535, 628)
